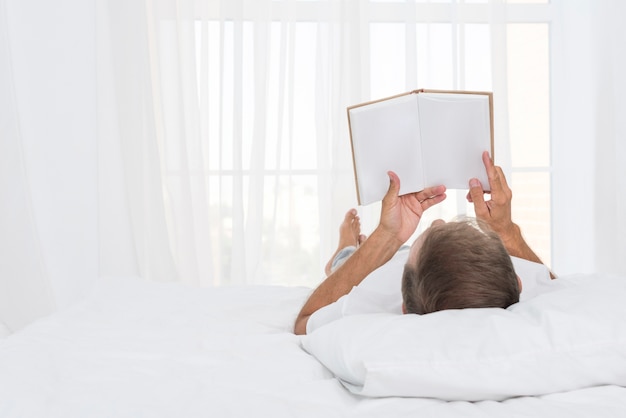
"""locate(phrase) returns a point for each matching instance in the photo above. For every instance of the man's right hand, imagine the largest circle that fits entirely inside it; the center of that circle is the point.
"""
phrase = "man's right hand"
(400, 215)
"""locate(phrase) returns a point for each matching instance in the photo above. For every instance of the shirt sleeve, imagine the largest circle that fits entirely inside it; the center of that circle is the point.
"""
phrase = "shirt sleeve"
(326, 315)
(535, 277)
(378, 293)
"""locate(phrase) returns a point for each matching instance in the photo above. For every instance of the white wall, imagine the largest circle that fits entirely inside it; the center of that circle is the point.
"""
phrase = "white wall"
(573, 139)
(52, 46)
(588, 151)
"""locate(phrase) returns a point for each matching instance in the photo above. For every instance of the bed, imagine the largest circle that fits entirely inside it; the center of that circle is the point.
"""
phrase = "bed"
(142, 349)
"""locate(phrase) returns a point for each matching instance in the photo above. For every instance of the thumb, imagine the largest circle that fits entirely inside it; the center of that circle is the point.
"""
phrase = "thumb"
(394, 185)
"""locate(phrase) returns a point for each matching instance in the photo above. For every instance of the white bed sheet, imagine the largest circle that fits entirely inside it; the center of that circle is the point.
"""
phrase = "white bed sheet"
(142, 349)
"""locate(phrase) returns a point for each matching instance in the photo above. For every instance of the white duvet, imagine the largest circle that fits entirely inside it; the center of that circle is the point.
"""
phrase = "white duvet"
(139, 349)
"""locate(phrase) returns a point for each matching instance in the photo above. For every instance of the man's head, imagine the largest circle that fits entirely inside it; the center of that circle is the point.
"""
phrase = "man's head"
(458, 265)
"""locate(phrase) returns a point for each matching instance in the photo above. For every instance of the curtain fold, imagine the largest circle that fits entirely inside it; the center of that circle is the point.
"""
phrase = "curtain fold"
(137, 110)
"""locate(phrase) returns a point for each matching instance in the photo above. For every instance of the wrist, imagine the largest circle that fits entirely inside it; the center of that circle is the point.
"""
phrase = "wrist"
(516, 245)
(511, 237)
(387, 242)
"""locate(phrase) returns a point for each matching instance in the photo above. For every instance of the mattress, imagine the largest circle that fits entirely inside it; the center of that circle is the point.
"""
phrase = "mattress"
(135, 348)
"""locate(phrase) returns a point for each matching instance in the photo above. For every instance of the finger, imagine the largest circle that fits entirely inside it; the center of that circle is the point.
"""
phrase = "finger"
(493, 176)
(503, 182)
(429, 192)
(394, 186)
(477, 197)
(432, 201)
(487, 161)
(468, 196)
(504, 195)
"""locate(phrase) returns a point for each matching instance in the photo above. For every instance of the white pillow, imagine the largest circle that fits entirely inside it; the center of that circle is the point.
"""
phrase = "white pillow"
(569, 338)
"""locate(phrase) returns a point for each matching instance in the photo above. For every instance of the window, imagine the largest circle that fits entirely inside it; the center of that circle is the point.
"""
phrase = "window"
(459, 56)
(271, 128)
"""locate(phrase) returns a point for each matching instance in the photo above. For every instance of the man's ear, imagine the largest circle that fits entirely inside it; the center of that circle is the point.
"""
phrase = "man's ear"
(403, 309)
(519, 282)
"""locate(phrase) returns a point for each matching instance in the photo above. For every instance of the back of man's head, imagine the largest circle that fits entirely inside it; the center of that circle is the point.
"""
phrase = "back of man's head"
(460, 265)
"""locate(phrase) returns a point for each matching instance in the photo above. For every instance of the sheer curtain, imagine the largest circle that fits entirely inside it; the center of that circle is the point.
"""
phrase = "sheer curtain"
(25, 292)
(232, 122)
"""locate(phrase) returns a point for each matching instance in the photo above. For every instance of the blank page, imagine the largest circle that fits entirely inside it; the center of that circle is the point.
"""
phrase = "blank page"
(455, 130)
(385, 137)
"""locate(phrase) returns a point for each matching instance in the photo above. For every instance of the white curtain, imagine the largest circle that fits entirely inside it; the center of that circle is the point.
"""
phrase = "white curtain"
(233, 129)
(25, 292)
(48, 169)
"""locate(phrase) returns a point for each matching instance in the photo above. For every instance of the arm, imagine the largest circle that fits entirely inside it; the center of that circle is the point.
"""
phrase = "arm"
(497, 211)
(399, 218)
(373, 253)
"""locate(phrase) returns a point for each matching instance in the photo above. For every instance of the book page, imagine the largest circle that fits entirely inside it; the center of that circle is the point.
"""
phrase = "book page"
(455, 130)
(385, 137)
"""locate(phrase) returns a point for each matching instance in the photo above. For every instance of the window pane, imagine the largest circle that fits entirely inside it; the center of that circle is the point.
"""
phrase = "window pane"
(213, 116)
(247, 100)
(477, 57)
(435, 64)
(290, 238)
(529, 94)
(387, 59)
(531, 210)
(275, 126)
(304, 151)
(289, 117)
(227, 61)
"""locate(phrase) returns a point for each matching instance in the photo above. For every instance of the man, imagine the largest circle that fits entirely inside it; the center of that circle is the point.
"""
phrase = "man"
(400, 216)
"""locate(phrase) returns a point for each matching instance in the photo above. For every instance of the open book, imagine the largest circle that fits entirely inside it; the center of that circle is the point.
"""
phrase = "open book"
(427, 137)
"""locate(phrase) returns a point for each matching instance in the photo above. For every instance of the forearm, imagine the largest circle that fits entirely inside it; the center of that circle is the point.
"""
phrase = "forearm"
(373, 253)
(517, 246)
